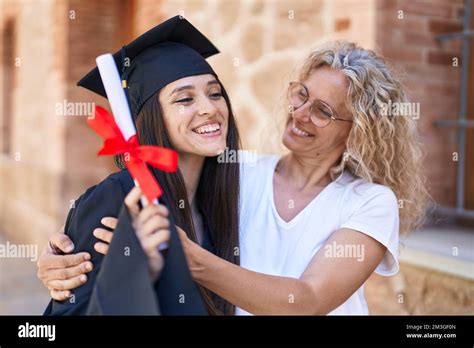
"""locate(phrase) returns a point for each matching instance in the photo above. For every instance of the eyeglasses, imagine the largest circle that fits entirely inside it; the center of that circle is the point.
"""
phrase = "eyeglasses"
(321, 114)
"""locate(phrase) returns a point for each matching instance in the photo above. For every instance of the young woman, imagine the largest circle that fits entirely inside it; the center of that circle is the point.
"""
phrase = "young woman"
(177, 102)
(317, 222)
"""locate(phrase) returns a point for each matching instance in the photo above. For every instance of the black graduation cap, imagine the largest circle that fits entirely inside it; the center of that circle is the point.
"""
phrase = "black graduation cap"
(170, 51)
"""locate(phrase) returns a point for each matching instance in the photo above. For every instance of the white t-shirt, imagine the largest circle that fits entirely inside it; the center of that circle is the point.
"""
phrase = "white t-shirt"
(272, 246)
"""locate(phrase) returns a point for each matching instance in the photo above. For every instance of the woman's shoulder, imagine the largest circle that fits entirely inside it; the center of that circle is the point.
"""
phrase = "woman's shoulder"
(373, 209)
(252, 162)
(359, 191)
(362, 186)
(255, 169)
(119, 183)
(255, 176)
(98, 201)
(104, 198)
(121, 179)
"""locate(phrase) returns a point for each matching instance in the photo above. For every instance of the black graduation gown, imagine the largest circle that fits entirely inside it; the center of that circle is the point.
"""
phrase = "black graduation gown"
(120, 283)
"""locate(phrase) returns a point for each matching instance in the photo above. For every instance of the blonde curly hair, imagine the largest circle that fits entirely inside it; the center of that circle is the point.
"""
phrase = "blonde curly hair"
(381, 149)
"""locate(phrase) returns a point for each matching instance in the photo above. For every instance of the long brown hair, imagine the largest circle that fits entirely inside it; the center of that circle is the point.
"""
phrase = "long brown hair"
(217, 195)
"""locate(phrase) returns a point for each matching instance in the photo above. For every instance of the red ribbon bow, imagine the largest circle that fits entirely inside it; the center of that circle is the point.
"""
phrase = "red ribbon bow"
(136, 156)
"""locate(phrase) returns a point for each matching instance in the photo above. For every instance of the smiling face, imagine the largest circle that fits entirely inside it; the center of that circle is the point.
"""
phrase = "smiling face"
(196, 115)
(301, 135)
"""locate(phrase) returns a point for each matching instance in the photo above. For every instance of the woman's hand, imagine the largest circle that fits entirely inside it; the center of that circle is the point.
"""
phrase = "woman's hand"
(61, 273)
(104, 235)
(151, 225)
(193, 253)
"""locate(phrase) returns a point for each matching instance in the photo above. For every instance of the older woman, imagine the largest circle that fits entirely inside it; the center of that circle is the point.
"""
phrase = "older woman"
(317, 222)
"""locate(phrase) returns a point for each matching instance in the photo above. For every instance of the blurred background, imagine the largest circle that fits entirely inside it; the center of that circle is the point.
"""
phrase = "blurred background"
(48, 154)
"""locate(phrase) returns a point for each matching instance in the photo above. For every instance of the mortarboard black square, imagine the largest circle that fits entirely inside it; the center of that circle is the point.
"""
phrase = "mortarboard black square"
(172, 50)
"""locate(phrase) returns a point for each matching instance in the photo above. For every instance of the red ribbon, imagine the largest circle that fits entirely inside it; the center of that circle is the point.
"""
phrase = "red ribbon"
(136, 156)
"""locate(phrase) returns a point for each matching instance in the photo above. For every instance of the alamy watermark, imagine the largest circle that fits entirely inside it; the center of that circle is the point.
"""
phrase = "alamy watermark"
(28, 330)
(238, 156)
(66, 108)
(336, 250)
(406, 109)
(25, 251)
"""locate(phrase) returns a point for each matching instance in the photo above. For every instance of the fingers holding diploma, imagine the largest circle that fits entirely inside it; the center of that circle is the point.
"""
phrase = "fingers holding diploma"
(151, 225)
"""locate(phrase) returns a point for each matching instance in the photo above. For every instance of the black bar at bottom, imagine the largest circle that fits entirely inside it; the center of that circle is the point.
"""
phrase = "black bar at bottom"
(416, 330)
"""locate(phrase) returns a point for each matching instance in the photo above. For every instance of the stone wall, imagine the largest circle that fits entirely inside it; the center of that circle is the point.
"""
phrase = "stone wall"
(420, 291)
(31, 175)
(261, 44)
(97, 27)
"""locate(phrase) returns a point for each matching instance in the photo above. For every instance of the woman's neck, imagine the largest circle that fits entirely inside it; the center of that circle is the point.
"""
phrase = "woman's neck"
(308, 172)
(190, 167)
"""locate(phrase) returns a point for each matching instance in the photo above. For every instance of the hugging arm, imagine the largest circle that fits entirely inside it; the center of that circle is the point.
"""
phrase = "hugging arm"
(60, 270)
(326, 283)
(101, 200)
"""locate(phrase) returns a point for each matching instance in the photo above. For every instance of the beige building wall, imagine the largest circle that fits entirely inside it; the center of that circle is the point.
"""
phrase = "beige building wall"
(31, 175)
(53, 156)
(262, 43)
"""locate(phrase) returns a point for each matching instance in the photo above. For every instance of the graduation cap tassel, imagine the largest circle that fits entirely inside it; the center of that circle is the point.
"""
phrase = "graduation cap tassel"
(125, 65)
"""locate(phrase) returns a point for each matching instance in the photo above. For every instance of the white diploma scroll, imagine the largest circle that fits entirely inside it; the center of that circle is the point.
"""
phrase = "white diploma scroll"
(116, 95)
(119, 105)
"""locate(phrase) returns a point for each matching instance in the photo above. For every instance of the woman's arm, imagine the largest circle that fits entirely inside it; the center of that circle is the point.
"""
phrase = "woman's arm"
(60, 271)
(328, 281)
(104, 199)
